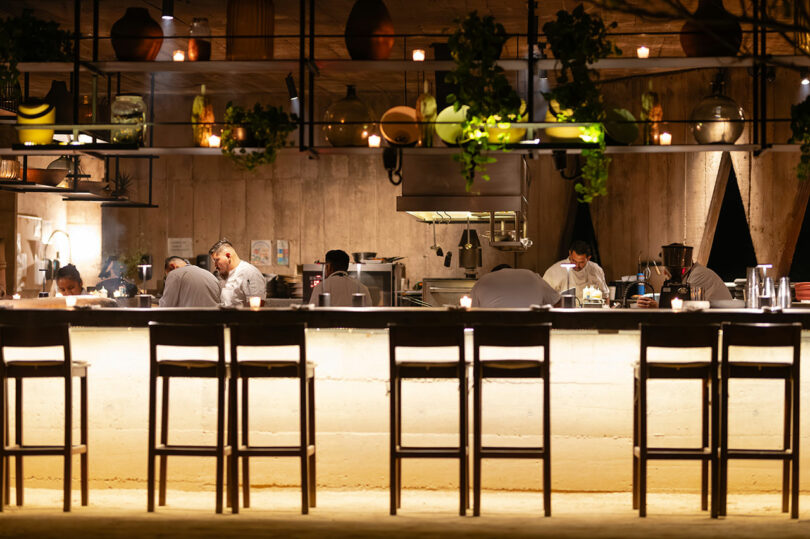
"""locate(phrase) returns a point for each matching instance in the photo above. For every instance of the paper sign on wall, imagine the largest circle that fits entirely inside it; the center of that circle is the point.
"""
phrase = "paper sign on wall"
(282, 252)
(261, 252)
(180, 247)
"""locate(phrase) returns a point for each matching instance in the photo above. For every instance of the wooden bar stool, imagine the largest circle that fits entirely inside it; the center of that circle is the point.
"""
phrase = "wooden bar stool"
(424, 337)
(677, 337)
(513, 336)
(761, 336)
(288, 335)
(196, 335)
(36, 337)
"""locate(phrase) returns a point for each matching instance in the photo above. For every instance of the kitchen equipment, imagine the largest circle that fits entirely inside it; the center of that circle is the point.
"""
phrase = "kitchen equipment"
(767, 295)
(677, 258)
(469, 252)
(398, 126)
(438, 291)
(435, 247)
(358, 300)
(752, 288)
(360, 257)
(383, 281)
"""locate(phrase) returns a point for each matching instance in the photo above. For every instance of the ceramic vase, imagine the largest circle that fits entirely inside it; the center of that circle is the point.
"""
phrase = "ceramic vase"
(369, 31)
(136, 36)
(713, 31)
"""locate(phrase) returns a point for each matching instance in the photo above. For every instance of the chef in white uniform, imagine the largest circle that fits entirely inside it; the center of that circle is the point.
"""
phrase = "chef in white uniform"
(338, 283)
(188, 286)
(238, 280)
(585, 273)
(505, 287)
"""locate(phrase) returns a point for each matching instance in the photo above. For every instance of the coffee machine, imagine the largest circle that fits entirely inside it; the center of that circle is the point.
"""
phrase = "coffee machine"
(677, 258)
(469, 252)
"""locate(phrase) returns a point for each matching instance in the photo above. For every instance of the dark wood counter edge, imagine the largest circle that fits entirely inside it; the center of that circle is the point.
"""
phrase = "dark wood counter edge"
(599, 319)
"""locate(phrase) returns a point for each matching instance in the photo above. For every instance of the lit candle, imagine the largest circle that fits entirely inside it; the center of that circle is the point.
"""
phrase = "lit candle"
(255, 303)
(213, 141)
(179, 56)
(643, 52)
(665, 139)
(677, 304)
(419, 55)
(15, 296)
(374, 141)
(70, 301)
(465, 301)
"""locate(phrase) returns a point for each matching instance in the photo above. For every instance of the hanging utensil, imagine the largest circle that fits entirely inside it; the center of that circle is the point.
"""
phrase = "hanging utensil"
(435, 247)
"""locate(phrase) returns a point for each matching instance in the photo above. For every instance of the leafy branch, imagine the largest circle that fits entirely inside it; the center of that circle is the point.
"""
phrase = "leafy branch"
(263, 127)
(800, 127)
(29, 39)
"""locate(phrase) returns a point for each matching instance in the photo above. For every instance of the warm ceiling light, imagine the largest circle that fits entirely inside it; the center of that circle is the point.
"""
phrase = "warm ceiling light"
(805, 77)
(168, 9)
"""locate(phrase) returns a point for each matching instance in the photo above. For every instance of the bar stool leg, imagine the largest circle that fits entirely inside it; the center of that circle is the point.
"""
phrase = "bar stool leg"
(399, 442)
(18, 439)
(232, 492)
(642, 445)
(477, 425)
(723, 501)
(83, 439)
(546, 439)
(164, 439)
(785, 445)
(715, 436)
(4, 466)
(635, 442)
(304, 430)
(393, 428)
(464, 429)
(245, 458)
(794, 510)
(704, 464)
(311, 441)
(220, 466)
(68, 437)
(150, 464)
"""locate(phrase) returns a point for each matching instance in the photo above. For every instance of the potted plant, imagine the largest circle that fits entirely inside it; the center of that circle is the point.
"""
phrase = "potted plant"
(577, 39)
(261, 127)
(483, 88)
(29, 39)
(800, 127)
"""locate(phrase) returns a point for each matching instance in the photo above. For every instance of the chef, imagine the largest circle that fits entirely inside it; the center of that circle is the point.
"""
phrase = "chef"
(506, 287)
(238, 280)
(585, 273)
(188, 286)
(337, 282)
(68, 281)
(698, 276)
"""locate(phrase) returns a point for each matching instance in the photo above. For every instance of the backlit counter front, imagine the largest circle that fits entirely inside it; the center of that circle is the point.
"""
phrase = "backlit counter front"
(592, 357)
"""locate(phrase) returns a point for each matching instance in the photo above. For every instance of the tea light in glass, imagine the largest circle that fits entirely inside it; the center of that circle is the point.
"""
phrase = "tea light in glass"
(179, 56)
(643, 52)
(255, 303)
(15, 296)
(665, 139)
(374, 141)
(213, 141)
(70, 301)
(419, 55)
(677, 304)
(465, 302)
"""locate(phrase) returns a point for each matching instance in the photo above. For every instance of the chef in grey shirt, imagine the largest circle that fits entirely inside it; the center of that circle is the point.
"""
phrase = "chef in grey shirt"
(188, 286)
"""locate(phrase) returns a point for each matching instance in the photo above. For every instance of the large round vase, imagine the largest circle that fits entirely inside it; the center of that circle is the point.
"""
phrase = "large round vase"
(713, 31)
(349, 121)
(369, 31)
(717, 119)
(35, 113)
(136, 37)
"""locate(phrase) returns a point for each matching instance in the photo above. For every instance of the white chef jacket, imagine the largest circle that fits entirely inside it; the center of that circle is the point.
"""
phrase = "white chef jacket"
(190, 286)
(512, 288)
(341, 287)
(713, 286)
(244, 281)
(590, 275)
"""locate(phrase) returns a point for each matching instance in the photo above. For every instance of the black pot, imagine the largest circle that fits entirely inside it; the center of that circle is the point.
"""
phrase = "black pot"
(713, 32)
(369, 31)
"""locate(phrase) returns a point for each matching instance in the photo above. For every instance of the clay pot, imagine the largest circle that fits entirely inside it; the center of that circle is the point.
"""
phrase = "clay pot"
(369, 31)
(713, 32)
(136, 37)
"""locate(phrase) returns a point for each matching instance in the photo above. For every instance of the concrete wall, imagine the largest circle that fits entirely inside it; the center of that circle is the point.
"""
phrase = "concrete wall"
(591, 418)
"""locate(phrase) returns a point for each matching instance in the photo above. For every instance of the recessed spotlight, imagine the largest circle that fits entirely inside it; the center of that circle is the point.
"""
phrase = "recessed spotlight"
(805, 77)
(168, 10)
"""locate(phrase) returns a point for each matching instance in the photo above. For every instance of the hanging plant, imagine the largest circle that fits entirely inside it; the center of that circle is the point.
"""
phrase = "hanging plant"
(483, 87)
(578, 39)
(261, 127)
(800, 126)
(29, 39)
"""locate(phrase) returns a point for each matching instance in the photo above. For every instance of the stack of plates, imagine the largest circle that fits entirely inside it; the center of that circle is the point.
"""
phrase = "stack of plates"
(802, 291)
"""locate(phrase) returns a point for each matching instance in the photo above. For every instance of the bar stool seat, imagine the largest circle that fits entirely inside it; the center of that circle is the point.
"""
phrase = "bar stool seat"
(765, 336)
(511, 336)
(411, 336)
(689, 337)
(245, 336)
(31, 338)
(185, 335)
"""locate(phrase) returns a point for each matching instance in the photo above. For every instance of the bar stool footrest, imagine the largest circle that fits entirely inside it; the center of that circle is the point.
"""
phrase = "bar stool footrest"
(42, 450)
(676, 453)
(512, 452)
(274, 451)
(760, 454)
(190, 450)
(428, 452)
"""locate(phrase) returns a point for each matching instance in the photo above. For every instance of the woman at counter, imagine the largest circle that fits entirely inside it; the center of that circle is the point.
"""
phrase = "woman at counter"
(68, 281)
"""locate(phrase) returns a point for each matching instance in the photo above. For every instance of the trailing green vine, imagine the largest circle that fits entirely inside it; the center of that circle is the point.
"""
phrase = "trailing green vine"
(263, 127)
(578, 39)
(800, 126)
(30, 39)
(483, 87)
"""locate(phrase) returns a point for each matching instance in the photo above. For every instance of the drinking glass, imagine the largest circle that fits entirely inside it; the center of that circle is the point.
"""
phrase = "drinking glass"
(696, 293)
(768, 295)
(784, 296)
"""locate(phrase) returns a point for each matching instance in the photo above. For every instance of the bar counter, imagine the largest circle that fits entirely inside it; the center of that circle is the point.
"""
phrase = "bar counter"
(592, 357)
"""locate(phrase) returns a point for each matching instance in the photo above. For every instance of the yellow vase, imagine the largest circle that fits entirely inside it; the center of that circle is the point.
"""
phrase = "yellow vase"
(35, 114)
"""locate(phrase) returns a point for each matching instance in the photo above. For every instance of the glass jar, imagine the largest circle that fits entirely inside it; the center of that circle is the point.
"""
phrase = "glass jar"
(717, 119)
(129, 109)
(9, 168)
(348, 121)
(199, 43)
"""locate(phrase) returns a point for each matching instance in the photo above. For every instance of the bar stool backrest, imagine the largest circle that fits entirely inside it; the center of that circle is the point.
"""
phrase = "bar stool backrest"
(512, 335)
(262, 335)
(762, 335)
(426, 336)
(35, 337)
(660, 336)
(186, 335)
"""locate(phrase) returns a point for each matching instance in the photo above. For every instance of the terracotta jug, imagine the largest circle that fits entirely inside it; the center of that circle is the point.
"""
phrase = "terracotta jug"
(369, 31)
(712, 32)
(136, 37)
